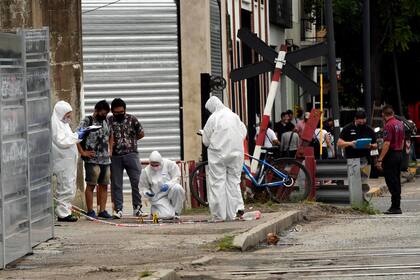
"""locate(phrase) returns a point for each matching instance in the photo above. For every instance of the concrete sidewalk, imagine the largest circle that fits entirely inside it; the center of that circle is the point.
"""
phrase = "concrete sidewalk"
(92, 250)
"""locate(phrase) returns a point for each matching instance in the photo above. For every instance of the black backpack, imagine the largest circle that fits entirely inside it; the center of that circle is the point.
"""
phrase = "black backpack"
(315, 142)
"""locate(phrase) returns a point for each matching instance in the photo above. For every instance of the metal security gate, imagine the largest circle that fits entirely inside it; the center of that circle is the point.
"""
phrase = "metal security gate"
(216, 38)
(130, 50)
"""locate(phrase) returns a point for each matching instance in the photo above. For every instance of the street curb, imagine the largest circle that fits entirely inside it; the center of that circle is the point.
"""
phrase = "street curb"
(202, 261)
(163, 274)
(256, 235)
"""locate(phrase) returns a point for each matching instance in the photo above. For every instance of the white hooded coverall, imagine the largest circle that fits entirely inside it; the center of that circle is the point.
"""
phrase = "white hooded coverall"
(165, 204)
(224, 135)
(64, 157)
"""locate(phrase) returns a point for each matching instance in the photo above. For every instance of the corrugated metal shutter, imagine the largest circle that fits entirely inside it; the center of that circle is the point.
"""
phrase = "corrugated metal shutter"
(130, 50)
(216, 38)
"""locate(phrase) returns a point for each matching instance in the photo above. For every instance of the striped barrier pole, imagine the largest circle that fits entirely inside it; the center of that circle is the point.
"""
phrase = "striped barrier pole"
(275, 81)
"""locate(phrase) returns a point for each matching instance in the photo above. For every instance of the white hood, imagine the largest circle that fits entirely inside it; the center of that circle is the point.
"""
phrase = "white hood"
(64, 139)
(214, 104)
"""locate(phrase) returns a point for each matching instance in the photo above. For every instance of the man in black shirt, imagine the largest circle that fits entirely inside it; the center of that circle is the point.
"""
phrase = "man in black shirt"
(283, 125)
(348, 136)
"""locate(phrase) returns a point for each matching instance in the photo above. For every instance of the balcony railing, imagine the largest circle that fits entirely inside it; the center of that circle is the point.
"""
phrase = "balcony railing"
(309, 33)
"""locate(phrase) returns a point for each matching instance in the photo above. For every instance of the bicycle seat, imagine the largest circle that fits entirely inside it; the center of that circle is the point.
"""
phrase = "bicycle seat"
(270, 149)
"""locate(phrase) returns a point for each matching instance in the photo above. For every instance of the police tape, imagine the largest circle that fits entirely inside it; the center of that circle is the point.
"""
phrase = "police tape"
(148, 222)
(141, 222)
(81, 212)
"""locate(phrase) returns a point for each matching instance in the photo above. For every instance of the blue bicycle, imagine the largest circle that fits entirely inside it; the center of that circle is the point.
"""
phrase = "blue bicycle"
(283, 179)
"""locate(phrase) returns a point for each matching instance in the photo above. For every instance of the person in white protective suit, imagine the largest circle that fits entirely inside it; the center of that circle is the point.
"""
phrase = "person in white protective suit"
(160, 183)
(64, 157)
(224, 135)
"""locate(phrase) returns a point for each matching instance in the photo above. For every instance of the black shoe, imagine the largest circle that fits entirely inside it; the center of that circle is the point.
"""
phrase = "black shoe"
(392, 211)
(104, 215)
(91, 214)
(69, 218)
(240, 213)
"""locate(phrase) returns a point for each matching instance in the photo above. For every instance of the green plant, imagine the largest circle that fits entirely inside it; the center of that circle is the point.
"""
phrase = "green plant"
(145, 273)
(366, 208)
(226, 243)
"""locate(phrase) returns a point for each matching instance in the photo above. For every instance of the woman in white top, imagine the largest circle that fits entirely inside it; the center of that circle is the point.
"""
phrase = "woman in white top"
(326, 143)
(270, 137)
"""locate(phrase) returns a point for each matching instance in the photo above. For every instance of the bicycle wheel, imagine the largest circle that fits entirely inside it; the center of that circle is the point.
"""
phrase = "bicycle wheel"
(198, 184)
(296, 187)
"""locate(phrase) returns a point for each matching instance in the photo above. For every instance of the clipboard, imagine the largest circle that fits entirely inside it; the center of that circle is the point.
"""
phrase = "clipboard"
(363, 142)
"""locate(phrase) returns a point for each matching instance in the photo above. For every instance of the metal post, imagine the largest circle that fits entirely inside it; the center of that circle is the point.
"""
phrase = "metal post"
(397, 84)
(355, 181)
(367, 78)
(332, 71)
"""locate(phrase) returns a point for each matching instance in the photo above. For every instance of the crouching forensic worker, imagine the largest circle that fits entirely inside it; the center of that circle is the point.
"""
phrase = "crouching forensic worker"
(224, 135)
(64, 157)
(160, 183)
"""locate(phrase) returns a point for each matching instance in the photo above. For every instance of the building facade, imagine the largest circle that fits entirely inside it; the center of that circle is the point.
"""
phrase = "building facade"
(153, 54)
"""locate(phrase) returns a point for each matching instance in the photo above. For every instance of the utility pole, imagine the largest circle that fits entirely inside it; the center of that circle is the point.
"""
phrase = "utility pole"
(397, 83)
(367, 78)
(332, 70)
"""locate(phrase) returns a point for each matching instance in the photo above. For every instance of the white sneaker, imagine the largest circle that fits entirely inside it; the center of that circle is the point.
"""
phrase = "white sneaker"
(117, 214)
(137, 212)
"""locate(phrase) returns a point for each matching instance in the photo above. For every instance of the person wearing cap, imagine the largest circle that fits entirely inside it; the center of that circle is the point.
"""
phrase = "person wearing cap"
(160, 183)
(358, 129)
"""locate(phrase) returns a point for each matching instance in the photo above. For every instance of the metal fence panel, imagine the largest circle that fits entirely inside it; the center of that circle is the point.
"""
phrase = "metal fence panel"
(39, 133)
(15, 219)
(26, 217)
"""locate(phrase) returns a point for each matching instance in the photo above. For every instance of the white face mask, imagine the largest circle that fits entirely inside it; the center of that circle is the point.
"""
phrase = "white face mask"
(155, 168)
(66, 120)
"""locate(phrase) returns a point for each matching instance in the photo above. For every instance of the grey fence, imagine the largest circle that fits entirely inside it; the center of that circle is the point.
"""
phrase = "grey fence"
(26, 216)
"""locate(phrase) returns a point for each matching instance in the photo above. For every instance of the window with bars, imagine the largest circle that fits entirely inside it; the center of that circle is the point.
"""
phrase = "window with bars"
(281, 13)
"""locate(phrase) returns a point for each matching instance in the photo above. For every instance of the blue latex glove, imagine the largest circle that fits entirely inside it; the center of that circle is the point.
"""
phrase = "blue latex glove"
(149, 194)
(164, 188)
(82, 132)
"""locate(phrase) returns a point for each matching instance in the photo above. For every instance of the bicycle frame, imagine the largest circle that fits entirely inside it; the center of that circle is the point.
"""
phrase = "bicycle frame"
(256, 181)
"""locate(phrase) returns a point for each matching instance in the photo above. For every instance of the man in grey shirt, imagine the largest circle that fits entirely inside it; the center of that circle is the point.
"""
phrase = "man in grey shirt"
(289, 143)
